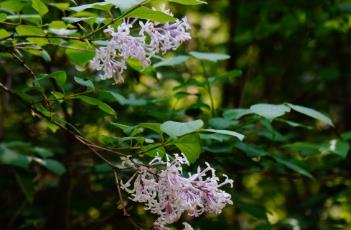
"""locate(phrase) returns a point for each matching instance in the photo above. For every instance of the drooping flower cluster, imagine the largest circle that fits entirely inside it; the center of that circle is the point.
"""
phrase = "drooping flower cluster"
(152, 38)
(169, 194)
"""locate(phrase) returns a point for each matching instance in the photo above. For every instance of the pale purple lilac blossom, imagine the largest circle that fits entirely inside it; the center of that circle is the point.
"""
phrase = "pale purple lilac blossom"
(168, 194)
(111, 60)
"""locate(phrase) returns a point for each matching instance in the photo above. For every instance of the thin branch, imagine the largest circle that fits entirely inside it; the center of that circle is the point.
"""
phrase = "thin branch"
(125, 213)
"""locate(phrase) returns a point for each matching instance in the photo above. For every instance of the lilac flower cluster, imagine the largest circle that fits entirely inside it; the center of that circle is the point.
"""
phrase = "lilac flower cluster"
(169, 194)
(152, 38)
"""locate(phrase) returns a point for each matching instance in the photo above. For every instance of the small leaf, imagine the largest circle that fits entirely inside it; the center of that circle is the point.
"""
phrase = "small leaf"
(292, 165)
(190, 146)
(125, 5)
(153, 150)
(269, 111)
(2, 17)
(97, 5)
(61, 6)
(60, 77)
(338, 147)
(4, 34)
(188, 2)
(87, 83)
(311, 113)
(26, 30)
(26, 184)
(52, 165)
(13, 158)
(80, 53)
(213, 57)
(40, 7)
(250, 150)
(226, 132)
(172, 61)
(101, 105)
(152, 126)
(176, 129)
(146, 13)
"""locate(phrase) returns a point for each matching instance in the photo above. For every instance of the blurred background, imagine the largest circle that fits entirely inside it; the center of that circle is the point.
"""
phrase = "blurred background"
(294, 51)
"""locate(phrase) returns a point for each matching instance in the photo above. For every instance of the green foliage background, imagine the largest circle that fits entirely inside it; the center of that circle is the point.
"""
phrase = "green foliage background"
(291, 171)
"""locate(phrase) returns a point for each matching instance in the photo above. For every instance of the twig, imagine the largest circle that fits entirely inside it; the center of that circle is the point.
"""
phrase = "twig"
(125, 213)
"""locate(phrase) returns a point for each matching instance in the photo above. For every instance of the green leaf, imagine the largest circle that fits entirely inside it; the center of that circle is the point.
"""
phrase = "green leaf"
(2, 17)
(226, 76)
(311, 113)
(189, 2)
(52, 165)
(270, 111)
(176, 129)
(26, 30)
(43, 152)
(250, 150)
(61, 6)
(146, 13)
(101, 105)
(60, 77)
(12, 5)
(97, 5)
(153, 150)
(213, 57)
(190, 146)
(4, 33)
(235, 114)
(346, 135)
(13, 158)
(80, 53)
(292, 165)
(226, 132)
(84, 82)
(338, 147)
(40, 7)
(172, 61)
(152, 126)
(125, 5)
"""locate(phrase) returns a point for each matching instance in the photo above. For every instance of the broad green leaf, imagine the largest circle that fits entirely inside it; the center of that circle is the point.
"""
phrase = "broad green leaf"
(190, 146)
(338, 147)
(60, 77)
(26, 30)
(43, 152)
(346, 135)
(226, 76)
(40, 7)
(152, 126)
(52, 165)
(219, 123)
(84, 82)
(270, 111)
(292, 165)
(97, 5)
(235, 114)
(311, 113)
(13, 158)
(12, 5)
(146, 13)
(153, 150)
(172, 61)
(125, 5)
(2, 17)
(58, 96)
(213, 57)
(226, 132)
(188, 2)
(4, 34)
(250, 150)
(101, 105)
(176, 129)
(61, 6)
(80, 53)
